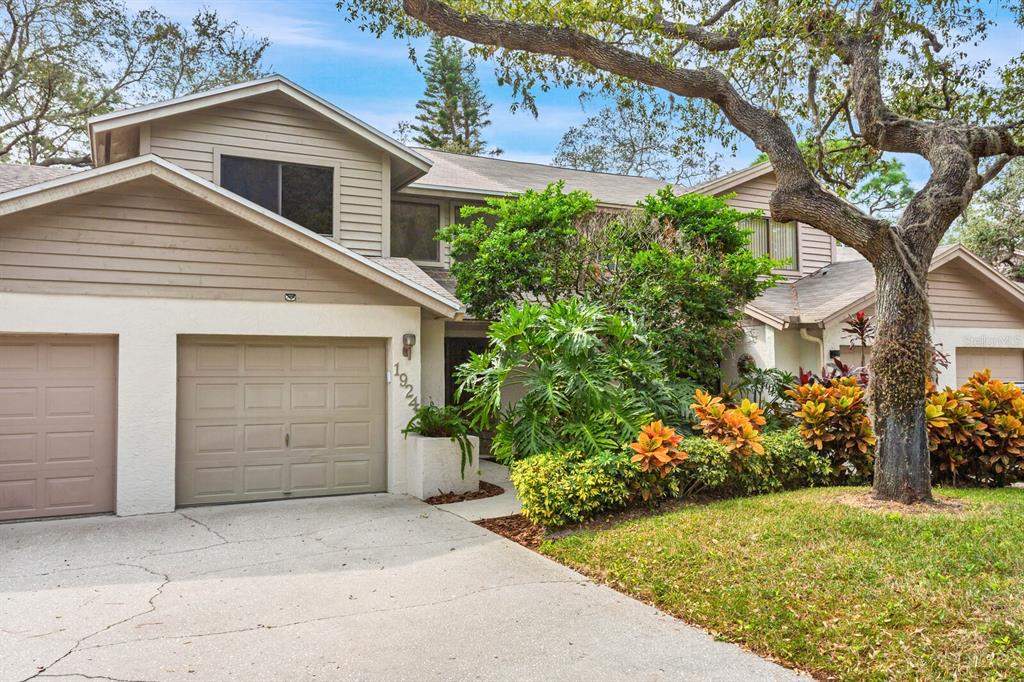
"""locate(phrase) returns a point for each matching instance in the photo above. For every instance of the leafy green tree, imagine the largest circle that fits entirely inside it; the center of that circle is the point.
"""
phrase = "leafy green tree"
(680, 265)
(993, 225)
(896, 76)
(530, 250)
(643, 134)
(589, 379)
(453, 111)
(63, 61)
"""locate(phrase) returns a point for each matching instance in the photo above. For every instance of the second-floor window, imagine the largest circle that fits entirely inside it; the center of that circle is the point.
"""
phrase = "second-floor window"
(771, 238)
(413, 228)
(301, 193)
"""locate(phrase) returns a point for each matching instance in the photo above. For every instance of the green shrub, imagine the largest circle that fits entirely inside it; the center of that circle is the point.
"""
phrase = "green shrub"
(707, 467)
(557, 488)
(787, 463)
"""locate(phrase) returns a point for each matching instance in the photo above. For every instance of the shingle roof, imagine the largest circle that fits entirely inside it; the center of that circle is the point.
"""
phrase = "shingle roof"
(409, 270)
(15, 176)
(824, 293)
(485, 175)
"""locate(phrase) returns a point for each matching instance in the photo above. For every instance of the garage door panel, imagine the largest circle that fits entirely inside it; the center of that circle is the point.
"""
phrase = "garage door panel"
(280, 418)
(57, 423)
(1007, 364)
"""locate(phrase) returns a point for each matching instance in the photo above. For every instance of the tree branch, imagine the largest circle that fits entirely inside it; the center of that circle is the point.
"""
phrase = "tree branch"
(798, 196)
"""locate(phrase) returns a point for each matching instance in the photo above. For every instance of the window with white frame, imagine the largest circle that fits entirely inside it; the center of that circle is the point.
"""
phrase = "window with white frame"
(300, 192)
(414, 226)
(775, 239)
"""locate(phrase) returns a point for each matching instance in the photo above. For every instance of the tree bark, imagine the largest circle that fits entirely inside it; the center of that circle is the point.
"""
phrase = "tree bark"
(899, 365)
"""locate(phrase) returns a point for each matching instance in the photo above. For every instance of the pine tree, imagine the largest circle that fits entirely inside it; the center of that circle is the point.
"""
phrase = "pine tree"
(453, 111)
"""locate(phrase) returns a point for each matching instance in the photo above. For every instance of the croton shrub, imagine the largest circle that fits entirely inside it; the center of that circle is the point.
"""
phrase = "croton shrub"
(976, 432)
(833, 419)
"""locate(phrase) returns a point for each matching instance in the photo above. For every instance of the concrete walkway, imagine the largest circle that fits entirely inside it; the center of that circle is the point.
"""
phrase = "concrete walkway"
(505, 504)
(374, 587)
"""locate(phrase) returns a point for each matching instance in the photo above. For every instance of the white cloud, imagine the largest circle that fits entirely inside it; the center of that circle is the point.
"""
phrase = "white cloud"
(286, 24)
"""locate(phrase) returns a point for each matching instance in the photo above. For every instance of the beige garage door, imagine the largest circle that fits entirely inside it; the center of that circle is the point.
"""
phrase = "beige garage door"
(1006, 364)
(265, 418)
(57, 443)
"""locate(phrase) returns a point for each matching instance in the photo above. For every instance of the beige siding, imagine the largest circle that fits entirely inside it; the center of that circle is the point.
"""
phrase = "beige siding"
(815, 246)
(146, 238)
(961, 299)
(274, 126)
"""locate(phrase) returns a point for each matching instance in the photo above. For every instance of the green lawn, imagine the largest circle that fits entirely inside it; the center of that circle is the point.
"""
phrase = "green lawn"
(831, 589)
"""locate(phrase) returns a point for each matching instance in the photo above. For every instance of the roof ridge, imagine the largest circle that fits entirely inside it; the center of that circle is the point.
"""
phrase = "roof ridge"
(548, 165)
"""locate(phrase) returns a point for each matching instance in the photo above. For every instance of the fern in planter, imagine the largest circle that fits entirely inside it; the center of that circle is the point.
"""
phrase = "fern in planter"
(436, 421)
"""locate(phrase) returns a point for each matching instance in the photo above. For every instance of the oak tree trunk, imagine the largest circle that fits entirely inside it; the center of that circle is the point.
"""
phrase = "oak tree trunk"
(900, 358)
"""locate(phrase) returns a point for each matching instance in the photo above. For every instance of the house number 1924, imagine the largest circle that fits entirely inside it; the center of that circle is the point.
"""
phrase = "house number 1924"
(410, 391)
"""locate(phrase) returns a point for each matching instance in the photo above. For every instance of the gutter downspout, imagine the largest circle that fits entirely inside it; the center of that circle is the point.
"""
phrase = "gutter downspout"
(821, 345)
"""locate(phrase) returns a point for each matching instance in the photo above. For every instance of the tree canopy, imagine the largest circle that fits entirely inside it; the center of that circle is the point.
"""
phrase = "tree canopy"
(680, 265)
(453, 110)
(886, 76)
(63, 61)
(643, 134)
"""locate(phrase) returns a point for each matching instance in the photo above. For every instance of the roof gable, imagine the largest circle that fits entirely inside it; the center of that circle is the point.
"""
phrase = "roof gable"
(407, 163)
(835, 291)
(116, 174)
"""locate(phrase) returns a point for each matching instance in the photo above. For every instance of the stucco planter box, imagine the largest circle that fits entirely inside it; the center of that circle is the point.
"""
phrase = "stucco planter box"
(434, 465)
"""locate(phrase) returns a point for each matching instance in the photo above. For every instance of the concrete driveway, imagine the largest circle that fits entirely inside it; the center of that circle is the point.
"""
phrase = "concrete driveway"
(366, 587)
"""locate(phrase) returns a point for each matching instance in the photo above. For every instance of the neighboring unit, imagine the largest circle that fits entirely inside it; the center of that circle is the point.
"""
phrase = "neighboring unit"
(244, 300)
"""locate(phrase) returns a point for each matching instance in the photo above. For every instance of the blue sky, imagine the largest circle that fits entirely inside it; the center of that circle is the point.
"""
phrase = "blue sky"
(374, 79)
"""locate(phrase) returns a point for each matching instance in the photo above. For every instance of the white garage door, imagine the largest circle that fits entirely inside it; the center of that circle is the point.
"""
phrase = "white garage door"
(266, 418)
(1007, 364)
(57, 422)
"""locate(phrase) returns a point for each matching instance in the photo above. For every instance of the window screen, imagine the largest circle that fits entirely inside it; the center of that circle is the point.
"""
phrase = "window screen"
(771, 238)
(413, 226)
(303, 194)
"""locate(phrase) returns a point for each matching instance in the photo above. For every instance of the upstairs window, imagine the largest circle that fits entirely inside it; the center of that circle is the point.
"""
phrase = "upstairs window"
(775, 239)
(301, 193)
(413, 228)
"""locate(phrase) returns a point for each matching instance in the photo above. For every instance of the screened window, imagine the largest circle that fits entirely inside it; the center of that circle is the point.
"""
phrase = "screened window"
(488, 219)
(301, 193)
(771, 238)
(413, 227)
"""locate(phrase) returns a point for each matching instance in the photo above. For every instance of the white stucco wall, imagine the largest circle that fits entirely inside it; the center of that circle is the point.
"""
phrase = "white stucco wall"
(432, 357)
(147, 331)
(757, 341)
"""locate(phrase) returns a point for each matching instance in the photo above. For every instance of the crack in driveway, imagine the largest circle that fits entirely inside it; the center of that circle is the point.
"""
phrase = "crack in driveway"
(150, 608)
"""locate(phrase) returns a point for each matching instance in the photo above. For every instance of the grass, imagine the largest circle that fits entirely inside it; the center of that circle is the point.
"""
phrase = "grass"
(837, 591)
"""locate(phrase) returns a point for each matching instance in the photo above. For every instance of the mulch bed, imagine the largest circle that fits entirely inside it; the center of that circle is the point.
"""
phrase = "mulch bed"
(516, 528)
(486, 490)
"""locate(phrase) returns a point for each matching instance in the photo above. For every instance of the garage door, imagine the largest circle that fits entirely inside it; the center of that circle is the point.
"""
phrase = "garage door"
(57, 443)
(266, 418)
(1006, 364)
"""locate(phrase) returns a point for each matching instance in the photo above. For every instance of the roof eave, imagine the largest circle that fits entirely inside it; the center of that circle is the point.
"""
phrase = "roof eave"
(76, 184)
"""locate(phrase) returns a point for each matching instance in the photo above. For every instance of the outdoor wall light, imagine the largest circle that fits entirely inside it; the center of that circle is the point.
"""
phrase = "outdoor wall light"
(290, 297)
(408, 341)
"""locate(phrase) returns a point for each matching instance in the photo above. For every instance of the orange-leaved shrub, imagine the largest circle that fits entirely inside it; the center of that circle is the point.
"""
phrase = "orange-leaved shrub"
(976, 432)
(834, 420)
(656, 452)
(656, 449)
(737, 428)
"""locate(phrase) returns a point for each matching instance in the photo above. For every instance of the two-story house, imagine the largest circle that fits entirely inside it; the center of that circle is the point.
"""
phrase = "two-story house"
(243, 299)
